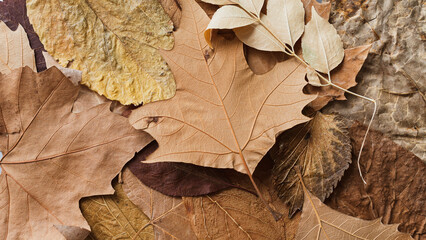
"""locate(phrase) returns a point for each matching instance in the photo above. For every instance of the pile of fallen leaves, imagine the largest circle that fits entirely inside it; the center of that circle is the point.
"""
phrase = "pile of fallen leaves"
(201, 127)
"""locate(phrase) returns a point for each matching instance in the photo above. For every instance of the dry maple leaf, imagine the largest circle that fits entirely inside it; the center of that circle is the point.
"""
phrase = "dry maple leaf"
(114, 43)
(167, 215)
(321, 149)
(53, 157)
(223, 115)
(115, 217)
(321, 222)
(396, 190)
(15, 50)
(14, 13)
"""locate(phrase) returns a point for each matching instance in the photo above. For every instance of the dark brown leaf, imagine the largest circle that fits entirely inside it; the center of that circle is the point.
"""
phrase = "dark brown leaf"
(179, 179)
(321, 149)
(395, 189)
(14, 12)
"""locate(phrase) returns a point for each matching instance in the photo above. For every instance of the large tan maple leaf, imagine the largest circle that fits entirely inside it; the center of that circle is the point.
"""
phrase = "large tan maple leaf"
(223, 115)
(53, 157)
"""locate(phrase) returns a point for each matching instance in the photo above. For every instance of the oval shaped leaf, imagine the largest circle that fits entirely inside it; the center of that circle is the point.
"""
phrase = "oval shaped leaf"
(228, 17)
(321, 45)
(287, 19)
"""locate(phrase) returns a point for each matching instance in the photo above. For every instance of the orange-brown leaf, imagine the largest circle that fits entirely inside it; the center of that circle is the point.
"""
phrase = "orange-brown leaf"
(223, 115)
(167, 215)
(323, 223)
(323, 9)
(343, 76)
(53, 157)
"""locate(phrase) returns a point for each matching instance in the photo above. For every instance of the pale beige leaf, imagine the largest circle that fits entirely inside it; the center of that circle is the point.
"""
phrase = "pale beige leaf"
(53, 157)
(223, 115)
(166, 214)
(71, 74)
(253, 6)
(321, 45)
(221, 2)
(287, 18)
(15, 50)
(228, 17)
(114, 43)
(258, 36)
(312, 76)
(321, 222)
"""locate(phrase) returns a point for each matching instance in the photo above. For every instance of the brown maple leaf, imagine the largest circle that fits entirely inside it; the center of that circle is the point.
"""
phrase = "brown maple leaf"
(223, 115)
(53, 157)
(321, 222)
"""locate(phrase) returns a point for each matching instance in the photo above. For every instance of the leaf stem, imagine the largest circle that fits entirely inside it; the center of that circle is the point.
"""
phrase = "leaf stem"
(291, 52)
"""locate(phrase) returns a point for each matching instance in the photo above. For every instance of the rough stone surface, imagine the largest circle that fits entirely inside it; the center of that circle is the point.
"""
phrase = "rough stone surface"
(394, 72)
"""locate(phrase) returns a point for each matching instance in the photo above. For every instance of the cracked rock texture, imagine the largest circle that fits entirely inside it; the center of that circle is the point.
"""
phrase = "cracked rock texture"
(395, 71)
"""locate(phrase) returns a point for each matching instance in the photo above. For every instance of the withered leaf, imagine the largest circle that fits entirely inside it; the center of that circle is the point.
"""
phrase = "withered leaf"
(14, 13)
(323, 9)
(179, 179)
(344, 76)
(172, 8)
(321, 45)
(86, 98)
(223, 115)
(115, 217)
(321, 222)
(238, 214)
(73, 75)
(53, 157)
(15, 50)
(167, 215)
(115, 44)
(395, 189)
(321, 149)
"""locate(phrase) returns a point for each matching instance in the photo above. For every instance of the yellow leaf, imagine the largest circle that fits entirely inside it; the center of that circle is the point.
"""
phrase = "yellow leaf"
(115, 217)
(114, 43)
